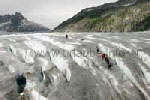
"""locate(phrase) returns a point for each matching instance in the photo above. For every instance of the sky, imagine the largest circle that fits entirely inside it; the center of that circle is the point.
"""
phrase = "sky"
(48, 12)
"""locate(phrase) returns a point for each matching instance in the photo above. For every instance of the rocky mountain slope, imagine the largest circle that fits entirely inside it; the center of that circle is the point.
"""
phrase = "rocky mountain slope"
(56, 68)
(122, 16)
(17, 23)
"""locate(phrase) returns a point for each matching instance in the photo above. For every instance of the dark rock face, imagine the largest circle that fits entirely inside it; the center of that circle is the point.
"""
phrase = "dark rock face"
(143, 25)
(111, 14)
(4, 18)
(21, 83)
(18, 23)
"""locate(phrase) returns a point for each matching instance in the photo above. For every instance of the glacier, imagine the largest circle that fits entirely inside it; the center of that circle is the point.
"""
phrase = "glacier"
(55, 68)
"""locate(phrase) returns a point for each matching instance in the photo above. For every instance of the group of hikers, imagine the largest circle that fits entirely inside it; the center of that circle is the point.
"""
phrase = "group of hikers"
(103, 56)
(21, 80)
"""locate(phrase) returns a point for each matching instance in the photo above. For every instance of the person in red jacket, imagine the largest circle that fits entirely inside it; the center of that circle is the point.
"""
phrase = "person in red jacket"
(105, 58)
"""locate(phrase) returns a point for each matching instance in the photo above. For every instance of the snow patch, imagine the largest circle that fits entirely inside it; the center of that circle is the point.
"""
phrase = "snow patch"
(135, 40)
(11, 40)
(124, 68)
(133, 45)
(54, 77)
(63, 65)
(145, 39)
(116, 37)
(104, 40)
(36, 46)
(148, 42)
(145, 57)
(145, 72)
(1, 45)
(121, 46)
(40, 61)
(87, 41)
(11, 69)
(82, 61)
(89, 37)
(62, 45)
(24, 55)
(34, 95)
(74, 43)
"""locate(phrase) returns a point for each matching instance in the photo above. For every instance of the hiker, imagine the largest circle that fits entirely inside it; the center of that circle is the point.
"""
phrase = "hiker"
(97, 49)
(21, 83)
(66, 36)
(82, 39)
(105, 57)
(1, 63)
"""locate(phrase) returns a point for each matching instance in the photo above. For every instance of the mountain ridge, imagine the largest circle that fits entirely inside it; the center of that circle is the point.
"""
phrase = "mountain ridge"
(83, 21)
(18, 23)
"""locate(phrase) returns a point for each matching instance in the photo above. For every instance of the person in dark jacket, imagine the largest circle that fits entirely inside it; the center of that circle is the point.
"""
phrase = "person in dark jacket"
(66, 36)
(21, 83)
(97, 49)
